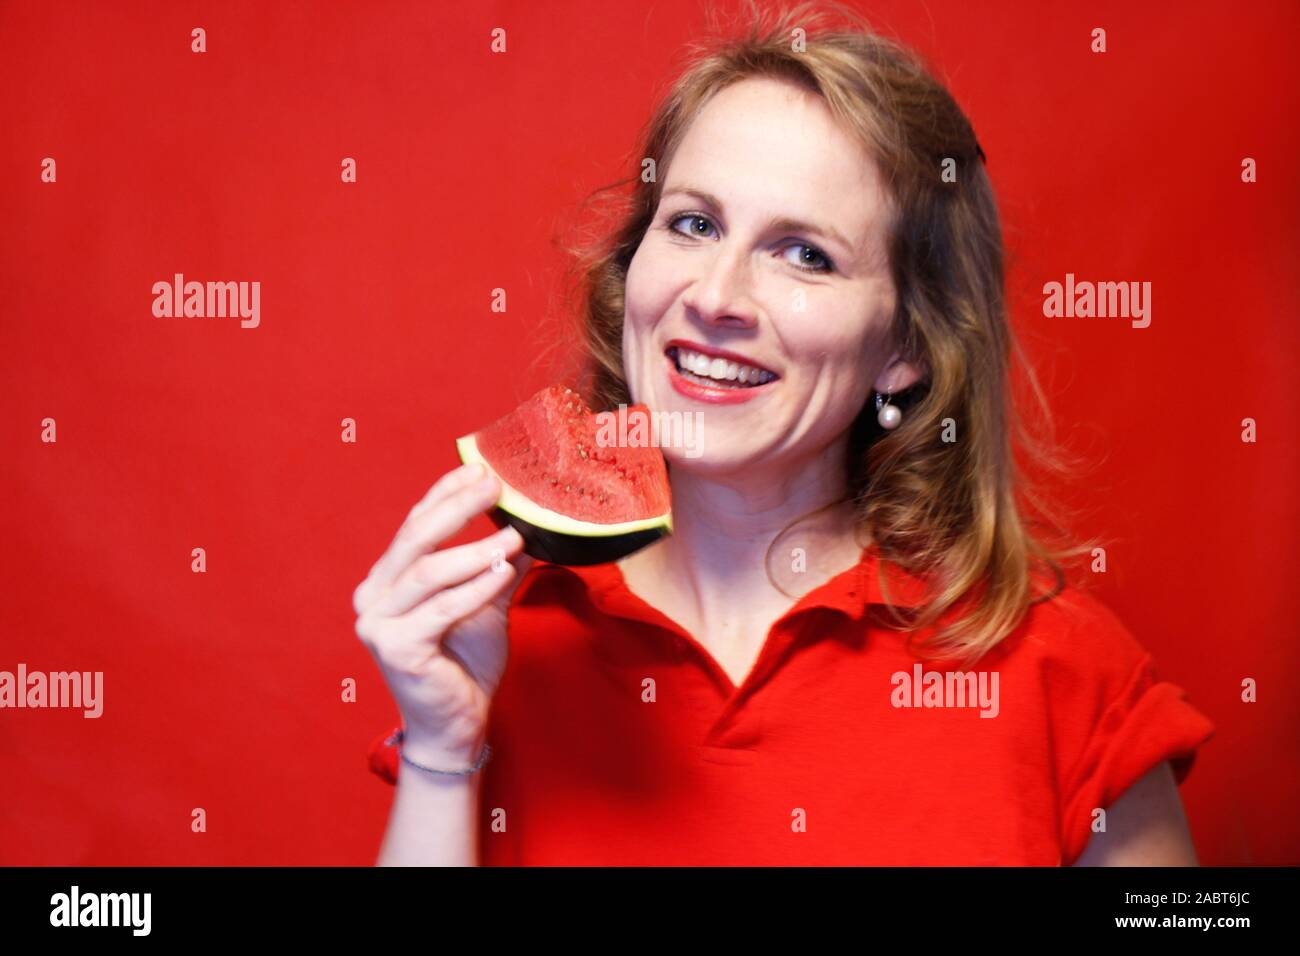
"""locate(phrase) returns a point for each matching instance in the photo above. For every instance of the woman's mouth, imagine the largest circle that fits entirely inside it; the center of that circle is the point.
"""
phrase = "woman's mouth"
(715, 379)
(716, 372)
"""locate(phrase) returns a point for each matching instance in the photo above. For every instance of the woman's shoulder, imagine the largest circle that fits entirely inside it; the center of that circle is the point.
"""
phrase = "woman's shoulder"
(1092, 673)
(1101, 685)
(1074, 627)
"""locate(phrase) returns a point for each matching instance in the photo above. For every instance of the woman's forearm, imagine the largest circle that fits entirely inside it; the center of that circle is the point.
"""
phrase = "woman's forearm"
(433, 821)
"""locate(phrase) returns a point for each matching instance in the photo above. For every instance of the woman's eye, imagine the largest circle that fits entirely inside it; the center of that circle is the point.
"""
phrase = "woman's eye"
(695, 222)
(810, 258)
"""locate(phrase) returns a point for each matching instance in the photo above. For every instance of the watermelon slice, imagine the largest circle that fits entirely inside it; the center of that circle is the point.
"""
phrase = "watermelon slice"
(574, 500)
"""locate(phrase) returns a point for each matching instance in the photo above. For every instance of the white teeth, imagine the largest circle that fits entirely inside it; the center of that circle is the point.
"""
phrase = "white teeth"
(721, 370)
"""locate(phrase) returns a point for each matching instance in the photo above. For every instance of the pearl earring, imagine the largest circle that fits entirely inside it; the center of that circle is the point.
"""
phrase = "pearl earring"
(888, 415)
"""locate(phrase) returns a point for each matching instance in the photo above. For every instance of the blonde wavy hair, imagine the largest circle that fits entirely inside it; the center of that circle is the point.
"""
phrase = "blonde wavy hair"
(952, 513)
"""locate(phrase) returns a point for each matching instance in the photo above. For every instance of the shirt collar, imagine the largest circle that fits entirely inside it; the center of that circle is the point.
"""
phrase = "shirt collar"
(851, 591)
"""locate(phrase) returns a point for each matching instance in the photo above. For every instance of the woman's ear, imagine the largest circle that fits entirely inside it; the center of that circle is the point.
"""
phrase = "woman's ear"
(898, 374)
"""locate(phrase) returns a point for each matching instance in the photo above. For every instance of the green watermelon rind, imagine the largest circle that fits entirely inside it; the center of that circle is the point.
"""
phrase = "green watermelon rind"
(515, 502)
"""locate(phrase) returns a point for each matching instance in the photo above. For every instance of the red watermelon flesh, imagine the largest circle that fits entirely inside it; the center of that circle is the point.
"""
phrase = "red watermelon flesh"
(547, 449)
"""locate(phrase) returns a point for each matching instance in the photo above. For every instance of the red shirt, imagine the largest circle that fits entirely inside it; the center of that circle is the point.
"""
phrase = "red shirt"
(618, 740)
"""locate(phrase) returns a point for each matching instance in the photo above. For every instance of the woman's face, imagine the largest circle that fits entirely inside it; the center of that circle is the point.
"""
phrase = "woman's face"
(767, 250)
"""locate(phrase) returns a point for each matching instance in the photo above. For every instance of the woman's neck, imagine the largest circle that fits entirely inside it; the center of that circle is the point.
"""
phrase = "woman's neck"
(715, 573)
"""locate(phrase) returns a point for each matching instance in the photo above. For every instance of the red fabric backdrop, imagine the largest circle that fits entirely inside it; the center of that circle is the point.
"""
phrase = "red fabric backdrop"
(222, 689)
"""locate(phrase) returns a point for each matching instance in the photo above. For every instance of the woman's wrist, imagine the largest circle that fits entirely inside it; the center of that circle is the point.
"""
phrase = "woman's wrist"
(432, 757)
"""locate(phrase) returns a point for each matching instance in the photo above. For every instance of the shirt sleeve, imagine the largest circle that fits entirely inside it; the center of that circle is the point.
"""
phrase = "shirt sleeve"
(382, 755)
(1147, 722)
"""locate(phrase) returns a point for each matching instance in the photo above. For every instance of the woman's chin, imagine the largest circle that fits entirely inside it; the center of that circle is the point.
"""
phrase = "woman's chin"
(709, 462)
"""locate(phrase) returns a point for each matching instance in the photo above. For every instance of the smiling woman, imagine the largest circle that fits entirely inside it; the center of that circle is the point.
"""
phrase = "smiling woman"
(802, 273)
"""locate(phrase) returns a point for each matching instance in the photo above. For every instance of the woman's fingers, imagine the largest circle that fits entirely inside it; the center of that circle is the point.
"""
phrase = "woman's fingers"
(443, 517)
(435, 616)
(442, 569)
(448, 484)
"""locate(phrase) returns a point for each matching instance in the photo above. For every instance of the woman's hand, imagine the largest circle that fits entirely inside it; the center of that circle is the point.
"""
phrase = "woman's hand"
(435, 620)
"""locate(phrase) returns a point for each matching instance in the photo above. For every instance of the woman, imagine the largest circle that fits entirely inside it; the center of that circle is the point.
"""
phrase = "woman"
(908, 681)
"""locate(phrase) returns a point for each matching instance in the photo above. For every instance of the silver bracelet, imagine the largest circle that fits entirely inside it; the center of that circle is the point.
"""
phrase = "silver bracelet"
(396, 738)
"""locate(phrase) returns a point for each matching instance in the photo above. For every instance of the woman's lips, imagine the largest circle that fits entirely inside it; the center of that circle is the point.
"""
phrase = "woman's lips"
(710, 394)
(712, 351)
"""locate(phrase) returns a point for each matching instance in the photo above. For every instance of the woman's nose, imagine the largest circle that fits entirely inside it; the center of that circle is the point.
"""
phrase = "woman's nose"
(723, 292)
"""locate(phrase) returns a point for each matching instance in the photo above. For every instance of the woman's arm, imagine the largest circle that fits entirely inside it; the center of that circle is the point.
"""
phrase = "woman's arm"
(433, 820)
(1144, 827)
